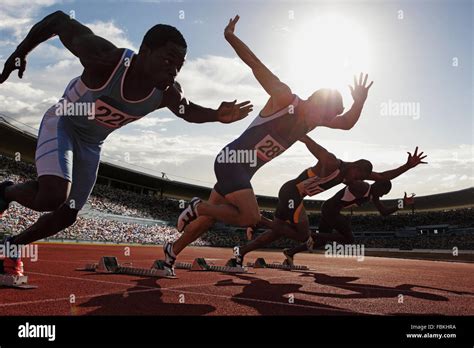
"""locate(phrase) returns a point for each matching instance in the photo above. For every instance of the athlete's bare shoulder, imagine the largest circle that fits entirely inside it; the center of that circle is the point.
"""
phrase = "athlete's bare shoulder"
(278, 101)
(95, 76)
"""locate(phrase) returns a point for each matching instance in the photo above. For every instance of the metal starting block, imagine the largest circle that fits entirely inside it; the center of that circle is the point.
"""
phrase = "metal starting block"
(183, 265)
(109, 264)
(18, 282)
(200, 264)
(261, 263)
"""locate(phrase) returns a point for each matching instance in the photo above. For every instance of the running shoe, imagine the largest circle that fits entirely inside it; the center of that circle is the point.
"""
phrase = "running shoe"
(237, 260)
(170, 258)
(11, 265)
(289, 258)
(188, 214)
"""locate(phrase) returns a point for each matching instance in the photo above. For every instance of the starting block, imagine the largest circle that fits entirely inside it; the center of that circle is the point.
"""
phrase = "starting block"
(110, 265)
(183, 265)
(261, 263)
(18, 282)
(200, 264)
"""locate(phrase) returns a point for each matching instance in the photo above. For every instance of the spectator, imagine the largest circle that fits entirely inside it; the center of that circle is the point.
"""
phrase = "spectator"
(126, 203)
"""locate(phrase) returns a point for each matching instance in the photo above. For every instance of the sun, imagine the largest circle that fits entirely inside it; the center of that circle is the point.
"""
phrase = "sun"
(327, 52)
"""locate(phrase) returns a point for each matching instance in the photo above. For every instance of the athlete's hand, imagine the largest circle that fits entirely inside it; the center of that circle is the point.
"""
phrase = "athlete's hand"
(408, 200)
(229, 112)
(415, 159)
(360, 90)
(229, 29)
(13, 62)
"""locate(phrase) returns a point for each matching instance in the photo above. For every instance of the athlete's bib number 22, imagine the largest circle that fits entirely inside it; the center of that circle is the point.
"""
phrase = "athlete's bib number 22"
(111, 117)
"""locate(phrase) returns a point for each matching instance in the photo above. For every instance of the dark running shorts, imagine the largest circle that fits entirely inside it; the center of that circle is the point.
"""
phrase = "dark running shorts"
(334, 221)
(231, 177)
(290, 203)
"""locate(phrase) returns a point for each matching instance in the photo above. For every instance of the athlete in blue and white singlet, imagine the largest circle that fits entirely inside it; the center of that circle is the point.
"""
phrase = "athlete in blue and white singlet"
(64, 139)
(116, 87)
(284, 119)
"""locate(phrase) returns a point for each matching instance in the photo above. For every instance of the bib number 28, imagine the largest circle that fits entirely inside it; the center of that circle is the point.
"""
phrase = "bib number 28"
(268, 148)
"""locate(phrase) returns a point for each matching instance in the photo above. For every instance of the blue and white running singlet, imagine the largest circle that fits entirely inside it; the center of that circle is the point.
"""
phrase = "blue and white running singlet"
(265, 138)
(73, 130)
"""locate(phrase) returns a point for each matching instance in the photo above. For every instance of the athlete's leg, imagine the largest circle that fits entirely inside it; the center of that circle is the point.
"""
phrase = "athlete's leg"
(53, 159)
(86, 164)
(47, 225)
(325, 227)
(265, 222)
(197, 227)
(297, 249)
(290, 216)
(233, 183)
(47, 193)
(86, 167)
(299, 230)
(343, 234)
(303, 234)
(303, 226)
(241, 209)
(262, 240)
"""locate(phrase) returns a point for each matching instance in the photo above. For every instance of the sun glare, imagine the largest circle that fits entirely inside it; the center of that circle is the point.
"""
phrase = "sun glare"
(327, 52)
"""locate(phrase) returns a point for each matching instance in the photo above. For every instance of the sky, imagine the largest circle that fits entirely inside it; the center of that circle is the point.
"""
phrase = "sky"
(418, 53)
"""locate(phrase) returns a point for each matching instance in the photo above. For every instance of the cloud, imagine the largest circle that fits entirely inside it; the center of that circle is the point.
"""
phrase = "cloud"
(174, 155)
(183, 158)
(159, 148)
(27, 100)
(150, 145)
(16, 25)
(212, 79)
(18, 89)
(18, 16)
(110, 31)
(150, 121)
(47, 51)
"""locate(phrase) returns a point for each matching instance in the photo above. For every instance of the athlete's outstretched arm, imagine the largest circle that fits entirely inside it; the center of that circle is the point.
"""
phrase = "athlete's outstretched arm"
(92, 50)
(412, 162)
(270, 83)
(227, 112)
(359, 94)
(383, 210)
(318, 151)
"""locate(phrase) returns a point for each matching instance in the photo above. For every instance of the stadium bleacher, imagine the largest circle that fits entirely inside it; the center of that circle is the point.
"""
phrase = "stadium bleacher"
(371, 230)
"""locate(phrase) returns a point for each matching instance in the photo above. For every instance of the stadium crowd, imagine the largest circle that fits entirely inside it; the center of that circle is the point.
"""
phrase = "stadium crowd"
(396, 222)
(104, 199)
(104, 230)
(116, 201)
(110, 200)
(462, 242)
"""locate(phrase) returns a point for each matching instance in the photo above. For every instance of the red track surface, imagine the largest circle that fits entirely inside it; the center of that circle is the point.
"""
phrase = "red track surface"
(332, 287)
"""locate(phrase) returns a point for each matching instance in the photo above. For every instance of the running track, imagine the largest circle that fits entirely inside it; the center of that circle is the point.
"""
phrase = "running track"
(331, 287)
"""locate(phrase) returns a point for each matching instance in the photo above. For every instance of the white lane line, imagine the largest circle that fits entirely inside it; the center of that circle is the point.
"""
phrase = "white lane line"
(174, 289)
(68, 298)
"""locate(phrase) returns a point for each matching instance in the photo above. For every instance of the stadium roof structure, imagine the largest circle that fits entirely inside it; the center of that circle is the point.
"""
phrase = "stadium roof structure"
(433, 226)
(16, 140)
